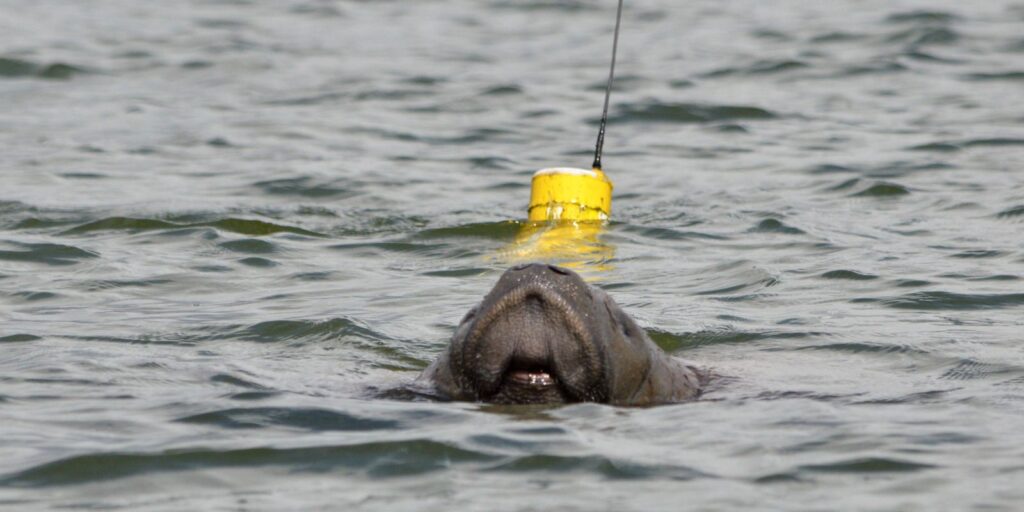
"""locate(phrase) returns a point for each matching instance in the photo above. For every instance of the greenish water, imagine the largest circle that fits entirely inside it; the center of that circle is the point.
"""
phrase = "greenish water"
(227, 226)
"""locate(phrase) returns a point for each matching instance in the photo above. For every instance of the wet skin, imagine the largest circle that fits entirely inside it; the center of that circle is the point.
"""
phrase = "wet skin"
(542, 335)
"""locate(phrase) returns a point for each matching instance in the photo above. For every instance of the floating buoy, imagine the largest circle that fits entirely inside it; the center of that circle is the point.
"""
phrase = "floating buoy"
(565, 193)
(568, 194)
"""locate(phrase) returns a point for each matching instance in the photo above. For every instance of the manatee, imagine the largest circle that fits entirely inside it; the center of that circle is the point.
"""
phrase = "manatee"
(544, 336)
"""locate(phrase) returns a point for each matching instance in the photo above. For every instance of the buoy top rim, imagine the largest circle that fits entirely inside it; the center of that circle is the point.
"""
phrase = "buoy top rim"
(567, 170)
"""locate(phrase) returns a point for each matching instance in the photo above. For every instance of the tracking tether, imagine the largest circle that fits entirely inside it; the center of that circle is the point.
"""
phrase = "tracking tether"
(607, 92)
(577, 194)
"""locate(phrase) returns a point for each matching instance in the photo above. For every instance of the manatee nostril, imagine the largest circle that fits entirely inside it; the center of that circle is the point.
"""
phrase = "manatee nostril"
(521, 266)
(558, 270)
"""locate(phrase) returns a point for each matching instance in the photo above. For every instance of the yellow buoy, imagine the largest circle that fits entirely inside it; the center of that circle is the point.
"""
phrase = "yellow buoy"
(577, 195)
(569, 194)
(569, 208)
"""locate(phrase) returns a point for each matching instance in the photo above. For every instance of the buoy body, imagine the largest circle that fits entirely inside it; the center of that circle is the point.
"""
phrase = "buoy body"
(565, 193)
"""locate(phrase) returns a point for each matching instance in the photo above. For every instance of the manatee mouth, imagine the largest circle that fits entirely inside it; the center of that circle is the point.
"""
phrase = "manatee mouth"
(530, 373)
(531, 346)
(535, 378)
(529, 382)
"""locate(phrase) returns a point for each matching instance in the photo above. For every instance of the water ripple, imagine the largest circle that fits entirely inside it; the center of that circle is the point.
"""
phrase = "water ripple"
(938, 300)
(851, 275)
(655, 111)
(949, 146)
(250, 227)
(318, 420)
(49, 254)
(380, 459)
(867, 465)
(761, 67)
(675, 342)
(15, 68)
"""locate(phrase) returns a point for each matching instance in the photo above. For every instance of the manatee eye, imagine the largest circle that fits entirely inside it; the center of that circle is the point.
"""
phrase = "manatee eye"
(558, 270)
(626, 326)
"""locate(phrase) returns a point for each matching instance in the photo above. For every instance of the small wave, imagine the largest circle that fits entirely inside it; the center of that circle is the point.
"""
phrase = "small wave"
(910, 283)
(546, 5)
(318, 10)
(673, 342)
(390, 246)
(830, 169)
(249, 227)
(388, 94)
(664, 233)
(30, 296)
(836, 37)
(309, 100)
(425, 80)
(924, 36)
(864, 347)
(937, 300)
(978, 253)
(114, 284)
(969, 369)
(19, 338)
(1016, 211)
(878, 67)
(804, 395)
(775, 226)
(923, 56)
(998, 75)
(49, 254)
(850, 275)
(307, 330)
(883, 189)
(497, 163)
(761, 67)
(14, 68)
(457, 272)
(312, 419)
(903, 168)
(930, 396)
(996, 277)
(501, 231)
(653, 111)
(250, 246)
(949, 146)
(595, 465)
(258, 262)
(922, 16)
(236, 381)
(379, 459)
(502, 90)
(867, 465)
(381, 350)
(196, 64)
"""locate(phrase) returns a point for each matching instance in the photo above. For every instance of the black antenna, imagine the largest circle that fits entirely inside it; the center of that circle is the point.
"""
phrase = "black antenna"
(607, 93)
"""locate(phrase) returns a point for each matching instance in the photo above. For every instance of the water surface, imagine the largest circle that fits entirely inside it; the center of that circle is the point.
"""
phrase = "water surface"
(225, 225)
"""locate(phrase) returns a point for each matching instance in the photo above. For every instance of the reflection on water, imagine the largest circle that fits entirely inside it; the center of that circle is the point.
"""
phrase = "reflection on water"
(576, 245)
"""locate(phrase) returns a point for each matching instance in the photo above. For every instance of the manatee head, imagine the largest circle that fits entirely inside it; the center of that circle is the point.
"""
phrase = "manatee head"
(543, 335)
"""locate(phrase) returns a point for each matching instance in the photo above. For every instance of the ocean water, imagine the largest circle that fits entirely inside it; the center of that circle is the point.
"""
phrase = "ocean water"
(229, 228)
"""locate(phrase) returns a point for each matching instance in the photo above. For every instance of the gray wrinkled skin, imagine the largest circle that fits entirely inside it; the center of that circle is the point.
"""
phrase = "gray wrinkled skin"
(542, 335)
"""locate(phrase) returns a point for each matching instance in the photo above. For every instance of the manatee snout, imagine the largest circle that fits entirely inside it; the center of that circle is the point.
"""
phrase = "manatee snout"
(530, 340)
(542, 335)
